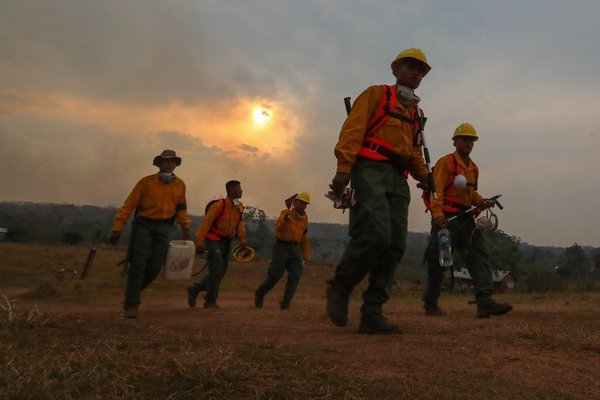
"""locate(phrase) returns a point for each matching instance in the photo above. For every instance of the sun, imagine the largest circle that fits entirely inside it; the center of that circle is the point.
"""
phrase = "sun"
(261, 114)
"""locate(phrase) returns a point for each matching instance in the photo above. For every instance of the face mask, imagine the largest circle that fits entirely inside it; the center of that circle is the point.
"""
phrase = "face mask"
(236, 202)
(407, 96)
(166, 177)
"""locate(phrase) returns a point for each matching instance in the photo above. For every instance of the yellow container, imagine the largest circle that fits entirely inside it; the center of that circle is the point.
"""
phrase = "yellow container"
(180, 260)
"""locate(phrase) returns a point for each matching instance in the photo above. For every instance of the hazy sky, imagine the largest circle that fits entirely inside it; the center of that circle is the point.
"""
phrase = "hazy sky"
(92, 90)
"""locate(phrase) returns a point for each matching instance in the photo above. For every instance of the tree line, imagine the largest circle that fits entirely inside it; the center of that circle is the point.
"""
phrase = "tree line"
(535, 268)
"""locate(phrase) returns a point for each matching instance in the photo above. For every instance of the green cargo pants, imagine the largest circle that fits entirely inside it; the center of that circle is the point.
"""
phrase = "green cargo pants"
(377, 229)
(473, 250)
(148, 249)
(287, 256)
(217, 257)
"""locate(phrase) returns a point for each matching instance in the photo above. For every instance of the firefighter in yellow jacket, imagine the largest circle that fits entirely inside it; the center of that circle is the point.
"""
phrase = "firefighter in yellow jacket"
(291, 250)
(456, 177)
(158, 201)
(380, 143)
(222, 222)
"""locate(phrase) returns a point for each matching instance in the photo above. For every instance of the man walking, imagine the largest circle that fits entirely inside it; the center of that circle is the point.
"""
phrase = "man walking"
(456, 177)
(222, 222)
(158, 201)
(380, 143)
(291, 249)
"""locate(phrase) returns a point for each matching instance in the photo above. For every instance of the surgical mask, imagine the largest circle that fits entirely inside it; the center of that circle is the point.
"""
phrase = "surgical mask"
(166, 177)
(407, 96)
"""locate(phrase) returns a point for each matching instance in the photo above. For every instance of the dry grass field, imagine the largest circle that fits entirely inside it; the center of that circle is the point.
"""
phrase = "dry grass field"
(65, 340)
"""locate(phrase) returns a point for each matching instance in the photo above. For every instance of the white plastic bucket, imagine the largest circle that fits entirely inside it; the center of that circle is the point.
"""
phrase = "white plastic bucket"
(180, 259)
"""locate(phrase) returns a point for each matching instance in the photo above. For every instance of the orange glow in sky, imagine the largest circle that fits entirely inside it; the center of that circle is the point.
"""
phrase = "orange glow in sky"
(232, 126)
(261, 115)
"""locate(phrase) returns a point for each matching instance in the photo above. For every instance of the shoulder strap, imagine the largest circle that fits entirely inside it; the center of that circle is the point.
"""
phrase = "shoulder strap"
(476, 174)
(386, 110)
(388, 101)
(221, 214)
(454, 165)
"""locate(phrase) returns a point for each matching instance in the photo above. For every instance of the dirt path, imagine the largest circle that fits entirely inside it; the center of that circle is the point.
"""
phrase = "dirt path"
(547, 348)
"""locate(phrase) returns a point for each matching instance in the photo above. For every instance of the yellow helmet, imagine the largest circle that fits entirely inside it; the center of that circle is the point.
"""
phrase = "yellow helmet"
(465, 129)
(243, 254)
(412, 52)
(303, 196)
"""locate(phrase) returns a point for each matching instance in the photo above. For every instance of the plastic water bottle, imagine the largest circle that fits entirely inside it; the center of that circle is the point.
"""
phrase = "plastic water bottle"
(445, 243)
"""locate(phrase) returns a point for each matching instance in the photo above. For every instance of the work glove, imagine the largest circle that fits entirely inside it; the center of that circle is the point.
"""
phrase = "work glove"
(339, 183)
(438, 223)
(114, 237)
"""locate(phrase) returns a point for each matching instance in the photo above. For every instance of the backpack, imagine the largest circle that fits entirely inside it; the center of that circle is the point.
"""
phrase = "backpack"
(213, 232)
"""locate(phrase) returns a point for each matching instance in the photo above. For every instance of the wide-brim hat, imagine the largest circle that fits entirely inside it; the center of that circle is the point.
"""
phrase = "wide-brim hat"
(167, 155)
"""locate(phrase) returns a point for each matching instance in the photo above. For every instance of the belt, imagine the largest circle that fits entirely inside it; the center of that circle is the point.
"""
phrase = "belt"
(168, 220)
(448, 214)
(460, 206)
(392, 158)
(287, 241)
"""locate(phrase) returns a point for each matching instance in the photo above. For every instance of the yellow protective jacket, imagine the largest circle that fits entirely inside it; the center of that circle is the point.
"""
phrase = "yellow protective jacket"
(228, 224)
(400, 134)
(291, 228)
(155, 200)
(443, 174)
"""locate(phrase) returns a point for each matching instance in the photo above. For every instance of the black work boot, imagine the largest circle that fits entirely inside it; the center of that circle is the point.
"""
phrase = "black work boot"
(283, 305)
(493, 308)
(192, 296)
(377, 325)
(258, 299)
(434, 311)
(130, 312)
(211, 305)
(337, 304)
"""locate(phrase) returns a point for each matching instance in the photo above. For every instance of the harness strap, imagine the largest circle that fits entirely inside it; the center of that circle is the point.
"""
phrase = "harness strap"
(213, 232)
(388, 102)
(454, 165)
(385, 111)
(453, 205)
(380, 150)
